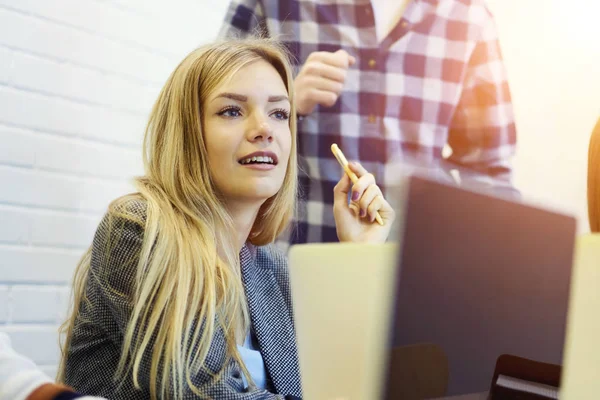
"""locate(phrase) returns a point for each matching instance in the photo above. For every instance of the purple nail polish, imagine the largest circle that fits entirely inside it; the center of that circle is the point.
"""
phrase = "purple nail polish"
(355, 196)
(363, 213)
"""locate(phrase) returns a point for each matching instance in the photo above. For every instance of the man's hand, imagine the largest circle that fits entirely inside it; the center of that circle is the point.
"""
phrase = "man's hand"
(321, 80)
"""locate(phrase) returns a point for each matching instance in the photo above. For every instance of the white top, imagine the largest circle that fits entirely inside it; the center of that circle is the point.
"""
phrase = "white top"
(387, 14)
(19, 376)
(253, 360)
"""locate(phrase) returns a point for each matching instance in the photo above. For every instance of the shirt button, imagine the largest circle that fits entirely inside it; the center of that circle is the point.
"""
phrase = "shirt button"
(372, 119)
(372, 63)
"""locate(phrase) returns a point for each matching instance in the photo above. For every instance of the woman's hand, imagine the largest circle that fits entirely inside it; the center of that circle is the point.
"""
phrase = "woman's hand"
(355, 222)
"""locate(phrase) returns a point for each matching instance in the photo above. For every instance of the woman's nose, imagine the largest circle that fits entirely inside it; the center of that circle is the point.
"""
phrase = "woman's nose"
(261, 131)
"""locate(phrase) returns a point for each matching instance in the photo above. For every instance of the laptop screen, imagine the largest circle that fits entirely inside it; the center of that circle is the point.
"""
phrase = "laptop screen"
(481, 279)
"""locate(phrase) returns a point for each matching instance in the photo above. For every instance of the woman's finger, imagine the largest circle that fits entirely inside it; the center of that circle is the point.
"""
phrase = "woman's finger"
(368, 196)
(374, 207)
(340, 193)
(357, 168)
(354, 208)
(360, 186)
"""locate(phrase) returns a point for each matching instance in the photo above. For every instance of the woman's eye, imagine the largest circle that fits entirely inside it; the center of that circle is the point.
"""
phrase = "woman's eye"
(281, 114)
(230, 112)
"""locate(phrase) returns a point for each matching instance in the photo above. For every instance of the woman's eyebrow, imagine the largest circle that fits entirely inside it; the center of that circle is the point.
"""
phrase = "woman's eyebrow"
(243, 99)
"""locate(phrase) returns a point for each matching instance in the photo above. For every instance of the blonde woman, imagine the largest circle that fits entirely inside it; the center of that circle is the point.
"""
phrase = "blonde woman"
(181, 294)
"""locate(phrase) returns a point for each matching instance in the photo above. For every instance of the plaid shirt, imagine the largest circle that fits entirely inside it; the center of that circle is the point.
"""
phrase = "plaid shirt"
(437, 79)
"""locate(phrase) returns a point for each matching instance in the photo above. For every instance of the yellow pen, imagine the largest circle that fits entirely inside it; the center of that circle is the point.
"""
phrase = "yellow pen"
(344, 163)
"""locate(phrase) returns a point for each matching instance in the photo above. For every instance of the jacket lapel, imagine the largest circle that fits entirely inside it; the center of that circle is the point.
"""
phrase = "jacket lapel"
(272, 324)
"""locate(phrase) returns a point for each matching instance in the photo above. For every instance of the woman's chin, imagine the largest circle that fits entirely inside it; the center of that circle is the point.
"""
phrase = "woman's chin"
(257, 195)
(266, 188)
(251, 190)
(266, 194)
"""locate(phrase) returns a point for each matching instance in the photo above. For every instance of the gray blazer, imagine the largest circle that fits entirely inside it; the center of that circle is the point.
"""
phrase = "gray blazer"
(97, 338)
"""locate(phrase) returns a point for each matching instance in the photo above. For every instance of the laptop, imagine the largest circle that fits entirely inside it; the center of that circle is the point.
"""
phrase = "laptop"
(477, 283)
(482, 277)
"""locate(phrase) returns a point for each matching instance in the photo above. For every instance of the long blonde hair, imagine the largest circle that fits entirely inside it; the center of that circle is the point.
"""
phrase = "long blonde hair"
(593, 179)
(188, 282)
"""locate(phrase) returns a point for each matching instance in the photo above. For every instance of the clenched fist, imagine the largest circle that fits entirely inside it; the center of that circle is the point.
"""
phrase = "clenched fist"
(321, 80)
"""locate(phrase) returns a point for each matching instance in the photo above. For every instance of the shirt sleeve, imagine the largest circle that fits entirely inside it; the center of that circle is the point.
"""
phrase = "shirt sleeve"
(482, 133)
(244, 18)
(19, 376)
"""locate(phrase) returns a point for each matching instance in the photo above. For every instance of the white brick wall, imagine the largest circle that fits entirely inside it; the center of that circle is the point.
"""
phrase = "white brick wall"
(77, 79)
(4, 304)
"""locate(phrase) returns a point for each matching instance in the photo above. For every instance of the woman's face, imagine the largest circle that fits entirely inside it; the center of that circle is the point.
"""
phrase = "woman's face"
(247, 134)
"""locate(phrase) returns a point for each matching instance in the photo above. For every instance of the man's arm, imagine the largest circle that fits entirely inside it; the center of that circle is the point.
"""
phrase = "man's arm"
(482, 133)
(320, 79)
(21, 379)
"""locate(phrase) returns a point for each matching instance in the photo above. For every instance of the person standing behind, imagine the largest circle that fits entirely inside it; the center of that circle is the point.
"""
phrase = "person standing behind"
(387, 81)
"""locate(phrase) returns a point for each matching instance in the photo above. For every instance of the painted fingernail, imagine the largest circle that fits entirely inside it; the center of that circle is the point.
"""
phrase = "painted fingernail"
(363, 213)
(355, 196)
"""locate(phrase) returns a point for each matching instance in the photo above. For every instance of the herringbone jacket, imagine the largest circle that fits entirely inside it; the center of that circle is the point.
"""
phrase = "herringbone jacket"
(96, 343)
